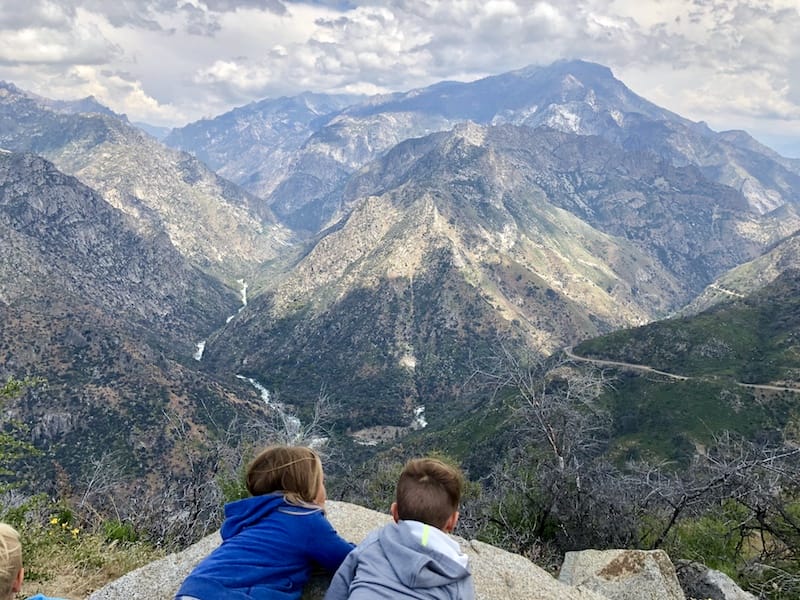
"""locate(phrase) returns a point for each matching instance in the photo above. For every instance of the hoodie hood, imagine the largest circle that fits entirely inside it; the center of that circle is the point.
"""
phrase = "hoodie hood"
(414, 565)
(241, 514)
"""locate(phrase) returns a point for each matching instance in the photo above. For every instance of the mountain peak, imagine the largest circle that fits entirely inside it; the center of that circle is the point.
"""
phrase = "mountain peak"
(470, 132)
(576, 67)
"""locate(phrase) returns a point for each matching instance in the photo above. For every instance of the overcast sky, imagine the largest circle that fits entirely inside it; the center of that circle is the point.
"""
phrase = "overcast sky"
(734, 64)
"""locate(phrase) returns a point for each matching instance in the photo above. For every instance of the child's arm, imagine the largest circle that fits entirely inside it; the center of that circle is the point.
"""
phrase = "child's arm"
(326, 547)
(468, 593)
(340, 584)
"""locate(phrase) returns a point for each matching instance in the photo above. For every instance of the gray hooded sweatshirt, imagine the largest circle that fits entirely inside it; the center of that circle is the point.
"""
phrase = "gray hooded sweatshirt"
(393, 563)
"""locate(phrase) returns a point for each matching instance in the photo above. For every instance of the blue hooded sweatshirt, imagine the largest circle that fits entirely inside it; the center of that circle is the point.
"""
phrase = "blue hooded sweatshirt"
(268, 549)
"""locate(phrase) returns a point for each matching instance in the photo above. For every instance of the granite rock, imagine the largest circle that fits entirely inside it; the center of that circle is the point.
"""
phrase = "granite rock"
(498, 575)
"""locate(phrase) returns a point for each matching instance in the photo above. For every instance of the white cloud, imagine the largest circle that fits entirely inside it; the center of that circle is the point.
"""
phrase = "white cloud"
(34, 14)
(48, 44)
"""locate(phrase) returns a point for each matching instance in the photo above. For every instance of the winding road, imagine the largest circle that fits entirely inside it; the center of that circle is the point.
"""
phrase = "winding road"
(645, 369)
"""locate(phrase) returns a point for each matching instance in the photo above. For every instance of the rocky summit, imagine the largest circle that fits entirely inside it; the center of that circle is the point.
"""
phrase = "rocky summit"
(498, 575)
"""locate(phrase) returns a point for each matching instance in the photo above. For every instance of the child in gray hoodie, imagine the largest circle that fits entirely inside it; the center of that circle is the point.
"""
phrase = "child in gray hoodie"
(412, 557)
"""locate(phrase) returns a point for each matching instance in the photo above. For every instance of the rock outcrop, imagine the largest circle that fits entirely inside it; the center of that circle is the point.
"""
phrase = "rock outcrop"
(701, 583)
(623, 574)
(499, 575)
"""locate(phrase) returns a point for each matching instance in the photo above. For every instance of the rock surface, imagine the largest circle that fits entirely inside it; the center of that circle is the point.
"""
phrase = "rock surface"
(701, 583)
(623, 574)
(498, 575)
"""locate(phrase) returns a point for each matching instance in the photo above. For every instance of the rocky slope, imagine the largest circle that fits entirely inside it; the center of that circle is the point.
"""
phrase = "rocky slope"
(208, 219)
(749, 277)
(498, 575)
(109, 318)
(252, 145)
(457, 240)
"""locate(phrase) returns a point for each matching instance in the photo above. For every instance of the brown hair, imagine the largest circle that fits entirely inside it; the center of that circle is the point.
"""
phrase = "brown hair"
(294, 470)
(429, 491)
(10, 559)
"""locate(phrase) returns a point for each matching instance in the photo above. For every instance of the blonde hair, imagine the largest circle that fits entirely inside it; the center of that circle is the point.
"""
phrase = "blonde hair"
(294, 470)
(10, 559)
(428, 491)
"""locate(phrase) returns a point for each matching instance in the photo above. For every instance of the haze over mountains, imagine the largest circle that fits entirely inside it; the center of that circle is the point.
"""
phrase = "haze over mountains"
(386, 241)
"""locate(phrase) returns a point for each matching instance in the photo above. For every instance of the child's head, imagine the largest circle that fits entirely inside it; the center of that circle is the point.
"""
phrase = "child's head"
(294, 470)
(11, 572)
(429, 491)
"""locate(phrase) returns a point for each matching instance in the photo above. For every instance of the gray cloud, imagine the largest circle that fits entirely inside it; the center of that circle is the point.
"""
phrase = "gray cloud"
(35, 13)
(199, 22)
(274, 6)
(126, 12)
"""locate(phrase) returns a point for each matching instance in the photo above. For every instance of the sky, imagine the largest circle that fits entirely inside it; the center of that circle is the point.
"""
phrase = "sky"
(734, 64)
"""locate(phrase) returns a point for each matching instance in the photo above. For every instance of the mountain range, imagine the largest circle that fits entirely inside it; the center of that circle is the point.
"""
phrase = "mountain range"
(215, 224)
(571, 96)
(383, 243)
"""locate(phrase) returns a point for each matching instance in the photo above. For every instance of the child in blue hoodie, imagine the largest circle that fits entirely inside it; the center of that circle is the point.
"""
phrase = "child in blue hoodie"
(271, 541)
(412, 557)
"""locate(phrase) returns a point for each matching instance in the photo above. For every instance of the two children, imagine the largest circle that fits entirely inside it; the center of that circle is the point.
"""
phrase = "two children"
(412, 557)
(271, 540)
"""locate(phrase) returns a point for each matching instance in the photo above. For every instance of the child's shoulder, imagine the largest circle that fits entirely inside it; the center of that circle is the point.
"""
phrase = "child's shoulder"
(301, 510)
(373, 537)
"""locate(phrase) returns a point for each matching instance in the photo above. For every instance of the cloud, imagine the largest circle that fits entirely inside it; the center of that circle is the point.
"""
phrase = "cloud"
(48, 45)
(199, 22)
(35, 14)
(274, 6)
(127, 92)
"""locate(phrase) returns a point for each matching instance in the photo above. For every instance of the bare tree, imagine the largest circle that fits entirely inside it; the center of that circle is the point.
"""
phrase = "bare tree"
(553, 489)
(551, 486)
(554, 401)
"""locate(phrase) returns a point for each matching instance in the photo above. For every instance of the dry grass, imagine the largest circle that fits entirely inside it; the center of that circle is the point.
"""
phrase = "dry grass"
(69, 565)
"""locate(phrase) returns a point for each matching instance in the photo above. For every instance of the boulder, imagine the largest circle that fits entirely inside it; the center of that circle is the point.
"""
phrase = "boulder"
(623, 574)
(499, 575)
(701, 583)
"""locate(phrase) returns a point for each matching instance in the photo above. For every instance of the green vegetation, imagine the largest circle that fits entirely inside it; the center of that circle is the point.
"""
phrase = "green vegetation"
(66, 557)
(742, 361)
(752, 340)
(667, 419)
(13, 445)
